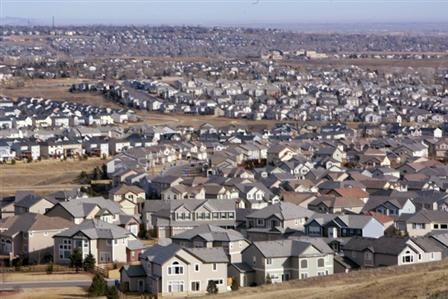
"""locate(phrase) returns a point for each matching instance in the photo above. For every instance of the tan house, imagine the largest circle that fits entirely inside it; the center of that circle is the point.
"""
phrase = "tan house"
(30, 235)
(129, 197)
(106, 242)
(174, 271)
(33, 204)
(426, 221)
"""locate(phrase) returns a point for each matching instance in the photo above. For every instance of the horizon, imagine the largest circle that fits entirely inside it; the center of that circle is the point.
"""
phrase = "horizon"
(224, 13)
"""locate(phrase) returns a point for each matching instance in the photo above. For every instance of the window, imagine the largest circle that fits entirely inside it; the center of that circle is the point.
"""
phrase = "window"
(254, 260)
(196, 267)
(195, 286)
(175, 286)
(65, 249)
(260, 222)
(408, 257)
(436, 226)
(215, 267)
(231, 215)
(443, 226)
(320, 262)
(303, 264)
(215, 215)
(303, 275)
(269, 261)
(175, 269)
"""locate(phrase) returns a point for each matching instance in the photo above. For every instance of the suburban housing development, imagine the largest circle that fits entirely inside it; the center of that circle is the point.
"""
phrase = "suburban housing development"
(282, 156)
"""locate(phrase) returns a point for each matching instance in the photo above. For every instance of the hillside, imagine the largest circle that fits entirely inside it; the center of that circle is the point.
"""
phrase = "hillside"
(421, 281)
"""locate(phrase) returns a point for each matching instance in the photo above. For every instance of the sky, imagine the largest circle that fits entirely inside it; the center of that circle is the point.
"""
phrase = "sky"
(225, 12)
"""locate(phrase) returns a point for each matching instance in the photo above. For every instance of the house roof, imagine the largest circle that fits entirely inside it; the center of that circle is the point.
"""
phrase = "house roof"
(81, 207)
(123, 189)
(210, 233)
(209, 255)
(32, 222)
(283, 211)
(281, 248)
(384, 245)
(429, 216)
(96, 229)
(134, 270)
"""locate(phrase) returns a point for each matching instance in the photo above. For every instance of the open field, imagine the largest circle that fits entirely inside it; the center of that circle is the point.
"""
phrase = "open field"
(51, 293)
(42, 276)
(418, 281)
(44, 176)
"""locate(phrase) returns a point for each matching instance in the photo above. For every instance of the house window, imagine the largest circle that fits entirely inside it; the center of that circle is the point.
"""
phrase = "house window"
(303, 275)
(215, 267)
(436, 226)
(195, 286)
(408, 257)
(231, 215)
(65, 249)
(260, 222)
(175, 269)
(443, 226)
(269, 261)
(304, 264)
(175, 286)
(321, 263)
(215, 215)
(196, 267)
(254, 260)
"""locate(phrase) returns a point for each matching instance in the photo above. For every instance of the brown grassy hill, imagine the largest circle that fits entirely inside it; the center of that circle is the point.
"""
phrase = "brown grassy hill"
(421, 281)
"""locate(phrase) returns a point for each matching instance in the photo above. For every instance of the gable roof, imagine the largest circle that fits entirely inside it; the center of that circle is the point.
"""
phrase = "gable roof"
(281, 248)
(210, 233)
(283, 211)
(96, 229)
(32, 222)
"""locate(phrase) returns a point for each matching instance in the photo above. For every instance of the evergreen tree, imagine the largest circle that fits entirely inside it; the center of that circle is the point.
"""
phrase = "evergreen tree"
(98, 286)
(76, 259)
(211, 287)
(89, 262)
(268, 279)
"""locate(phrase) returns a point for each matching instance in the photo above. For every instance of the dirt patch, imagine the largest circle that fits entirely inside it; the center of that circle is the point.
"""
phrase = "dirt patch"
(44, 176)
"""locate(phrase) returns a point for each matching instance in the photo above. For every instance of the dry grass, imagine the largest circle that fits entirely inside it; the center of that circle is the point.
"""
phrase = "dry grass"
(44, 176)
(393, 282)
(51, 293)
(42, 276)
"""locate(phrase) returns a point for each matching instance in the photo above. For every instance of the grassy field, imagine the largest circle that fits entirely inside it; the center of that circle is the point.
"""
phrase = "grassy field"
(44, 176)
(419, 281)
(42, 276)
(51, 293)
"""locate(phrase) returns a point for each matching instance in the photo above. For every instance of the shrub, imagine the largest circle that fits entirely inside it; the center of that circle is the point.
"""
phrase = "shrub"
(235, 285)
(50, 268)
(89, 262)
(211, 287)
(98, 286)
(76, 259)
(112, 293)
(268, 279)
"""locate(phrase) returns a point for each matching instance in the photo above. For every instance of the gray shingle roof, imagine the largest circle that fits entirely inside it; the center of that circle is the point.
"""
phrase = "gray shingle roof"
(96, 229)
(209, 255)
(283, 211)
(210, 233)
(281, 248)
(134, 270)
(81, 207)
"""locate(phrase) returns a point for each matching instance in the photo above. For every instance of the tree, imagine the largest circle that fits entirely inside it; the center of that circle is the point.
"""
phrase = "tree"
(268, 279)
(104, 172)
(50, 268)
(211, 287)
(142, 232)
(89, 262)
(235, 285)
(76, 259)
(98, 286)
(112, 293)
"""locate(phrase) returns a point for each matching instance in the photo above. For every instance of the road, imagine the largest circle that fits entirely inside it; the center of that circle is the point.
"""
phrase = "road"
(49, 284)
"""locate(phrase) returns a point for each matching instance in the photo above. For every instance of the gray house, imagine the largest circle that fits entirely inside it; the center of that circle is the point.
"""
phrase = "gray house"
(282, 260)
(175, 271)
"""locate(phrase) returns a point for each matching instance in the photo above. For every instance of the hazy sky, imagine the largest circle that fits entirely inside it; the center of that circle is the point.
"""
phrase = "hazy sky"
(221, 12)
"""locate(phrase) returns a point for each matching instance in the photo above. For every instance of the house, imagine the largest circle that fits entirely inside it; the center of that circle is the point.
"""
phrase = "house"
(32, 203)
(283, 260)
(106, 242)
(426, 221)
(388, 205)
(335, 204)
(335, 226)
(389, 251)
(166, 218)
(175, 271)
(208, 236)
(82, 209)
(30, 236)
(264, 224)
(129, 197)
